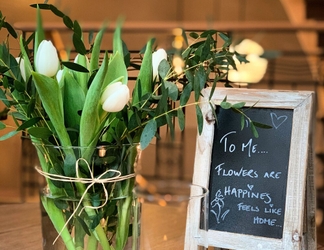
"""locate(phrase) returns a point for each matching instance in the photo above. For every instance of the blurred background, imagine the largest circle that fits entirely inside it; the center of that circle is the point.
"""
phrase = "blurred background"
(291, 32)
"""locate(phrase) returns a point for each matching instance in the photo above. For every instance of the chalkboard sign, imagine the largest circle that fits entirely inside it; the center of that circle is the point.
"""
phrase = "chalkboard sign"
(248, 175)
(261, 188)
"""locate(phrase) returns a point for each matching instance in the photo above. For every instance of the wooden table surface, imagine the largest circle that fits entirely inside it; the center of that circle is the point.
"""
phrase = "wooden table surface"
(20, 227)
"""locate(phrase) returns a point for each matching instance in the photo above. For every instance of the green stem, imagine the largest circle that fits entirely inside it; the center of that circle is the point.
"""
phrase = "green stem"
(58, 220)
(99, 231)
(124, 207)
(92, 242)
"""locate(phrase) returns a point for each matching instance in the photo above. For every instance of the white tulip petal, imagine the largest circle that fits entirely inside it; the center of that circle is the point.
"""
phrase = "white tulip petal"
(157, 57)
(47, 61)
(115, 97)
(21, 63)
(59, 75)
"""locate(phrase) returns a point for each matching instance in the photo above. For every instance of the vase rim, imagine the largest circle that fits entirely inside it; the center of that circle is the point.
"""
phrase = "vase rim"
(93, 147)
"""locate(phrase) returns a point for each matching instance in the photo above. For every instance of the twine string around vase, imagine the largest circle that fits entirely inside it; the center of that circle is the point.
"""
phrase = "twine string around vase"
(91, 181)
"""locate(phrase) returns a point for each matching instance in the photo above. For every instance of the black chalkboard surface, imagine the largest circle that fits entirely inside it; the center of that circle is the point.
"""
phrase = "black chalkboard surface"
(248, 175)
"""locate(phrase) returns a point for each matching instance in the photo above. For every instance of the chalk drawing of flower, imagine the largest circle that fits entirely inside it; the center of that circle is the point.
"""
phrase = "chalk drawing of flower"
(217, 205)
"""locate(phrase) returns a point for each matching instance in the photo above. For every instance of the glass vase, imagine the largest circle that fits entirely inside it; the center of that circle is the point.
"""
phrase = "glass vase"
(88, 199)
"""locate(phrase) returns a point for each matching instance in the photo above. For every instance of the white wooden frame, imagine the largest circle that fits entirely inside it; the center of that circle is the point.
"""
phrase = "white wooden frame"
(299, 229)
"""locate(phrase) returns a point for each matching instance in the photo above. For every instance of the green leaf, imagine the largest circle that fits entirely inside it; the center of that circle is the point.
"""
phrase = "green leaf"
(225, 105)
(3, 69)
(199, 82)
(84, 225)
(193, 35)
(78, 44)
(90, 119)
(31, 106)
(254, 130)
(39, 34)
(117, 41)
(2, 125)
(95, 221)
(144, 80)
(50, 94)
(68, 22)
(185, 37)
(116, 71)
(205, 51)
(18, 116)
(261, 125)
(19, 86)
(185, 95)
(242, 121)
(172, 90)
(207, 33)
(77, 29)
(75, 66)
(200, 120)
(74, 98)
(11, 30)
(40, 132)
(238, 105)
(181, 119)
(9, 135)
(61, 204)
(29, 123)
(164, 68)
(3, 97)
(227, 40)
(148, 133)
(95, 54)
(56, 11)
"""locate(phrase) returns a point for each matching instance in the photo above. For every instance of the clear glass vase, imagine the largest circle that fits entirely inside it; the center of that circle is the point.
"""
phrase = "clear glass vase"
(88, 198)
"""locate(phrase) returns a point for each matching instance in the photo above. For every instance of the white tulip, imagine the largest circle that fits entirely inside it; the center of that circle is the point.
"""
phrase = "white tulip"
(59, 75)
(157, 57)
(46, 61)
(21, 63)
(115, 97)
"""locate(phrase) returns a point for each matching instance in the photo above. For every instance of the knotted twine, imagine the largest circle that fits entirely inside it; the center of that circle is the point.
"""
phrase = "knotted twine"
(91, 181)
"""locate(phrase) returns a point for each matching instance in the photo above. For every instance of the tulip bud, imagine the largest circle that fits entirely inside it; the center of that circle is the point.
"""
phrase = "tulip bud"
(46, 61)
(157, 57)
(21, 63)
(115, 97)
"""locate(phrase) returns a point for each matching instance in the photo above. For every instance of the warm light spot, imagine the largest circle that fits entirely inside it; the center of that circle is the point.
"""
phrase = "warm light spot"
(102, 152)
(167, 197)
(151, 189)
(103, 222)
(165, 237)
(177, 32)
(141, 180)
(178, 64)
(178, 42)
(162, 203)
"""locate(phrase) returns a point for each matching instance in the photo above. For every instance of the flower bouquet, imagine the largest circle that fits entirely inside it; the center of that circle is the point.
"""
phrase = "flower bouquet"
(88, 129)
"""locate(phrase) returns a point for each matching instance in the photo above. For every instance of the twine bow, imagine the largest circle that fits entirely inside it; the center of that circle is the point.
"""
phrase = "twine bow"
(91, 181)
